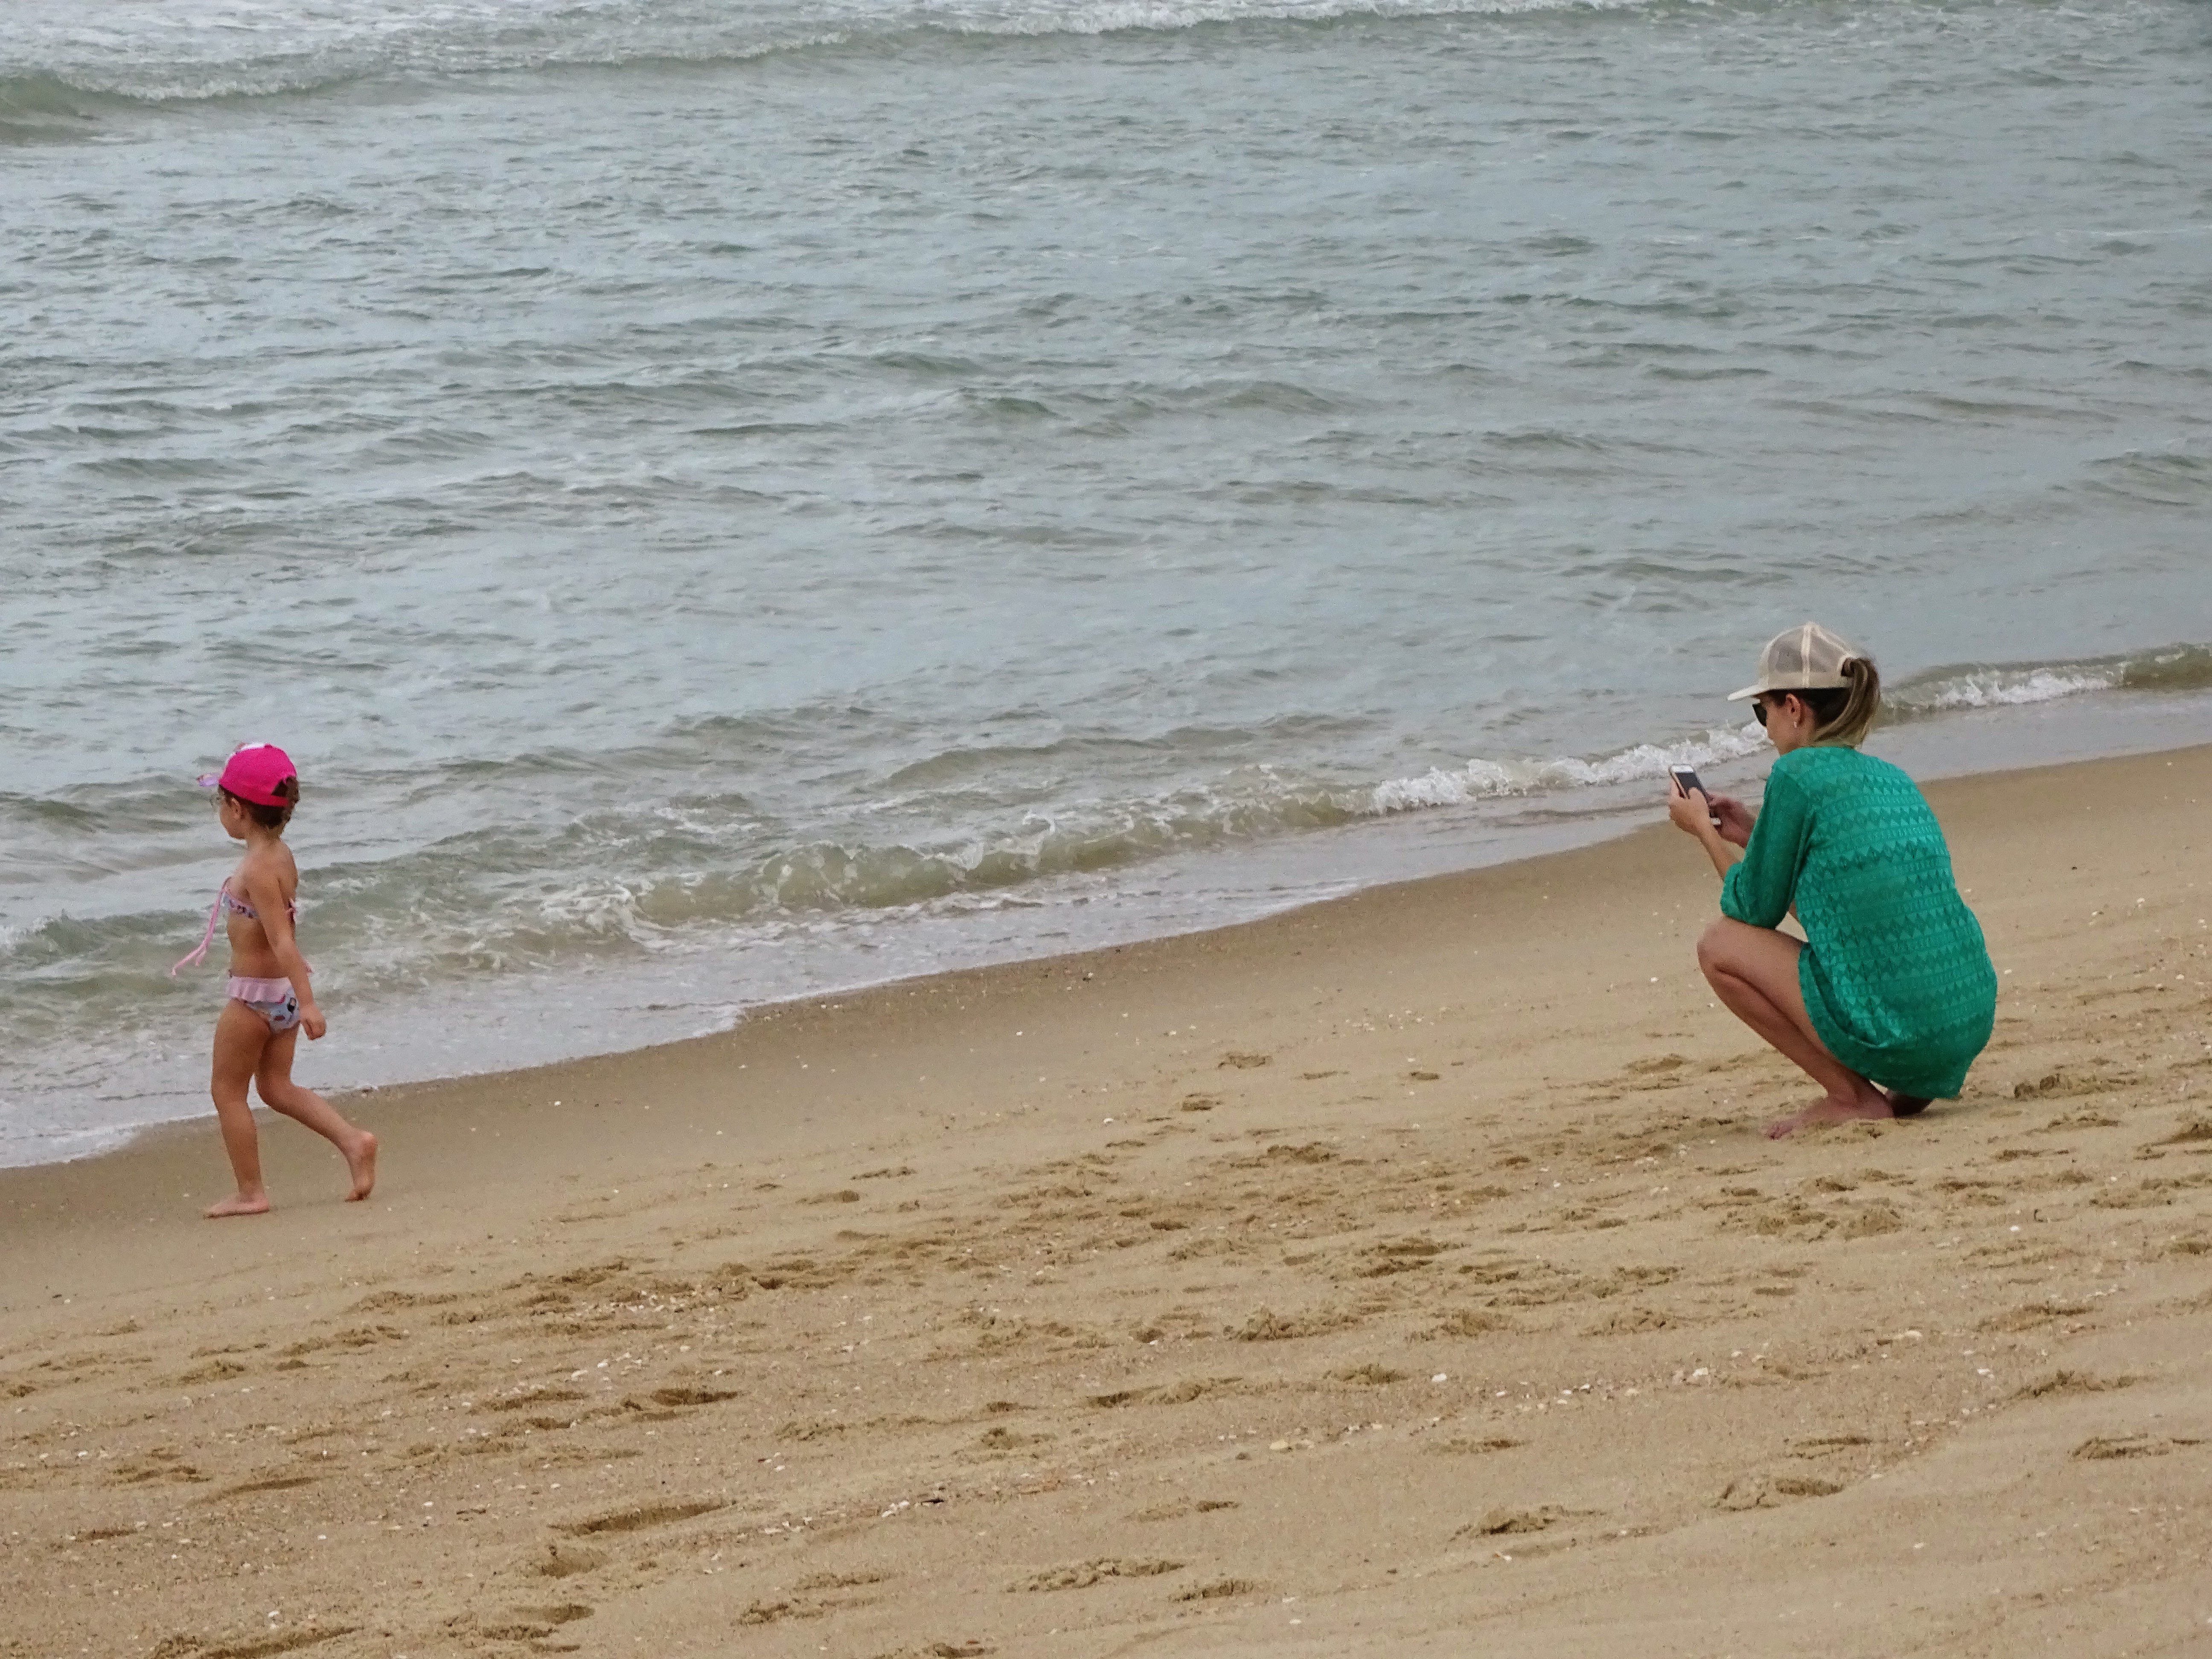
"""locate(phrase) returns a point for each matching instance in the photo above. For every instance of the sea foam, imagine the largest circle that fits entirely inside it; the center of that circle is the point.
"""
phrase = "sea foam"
(58, 56)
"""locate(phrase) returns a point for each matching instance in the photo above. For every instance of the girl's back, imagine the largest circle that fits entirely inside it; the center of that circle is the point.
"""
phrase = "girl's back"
(267, 865)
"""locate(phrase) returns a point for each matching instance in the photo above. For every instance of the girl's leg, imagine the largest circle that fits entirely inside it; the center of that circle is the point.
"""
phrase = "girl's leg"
(305, 1106)
(1754, 970)
(240, 1034)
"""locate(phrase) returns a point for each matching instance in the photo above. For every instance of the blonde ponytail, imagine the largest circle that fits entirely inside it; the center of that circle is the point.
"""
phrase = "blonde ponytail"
(1856, 708)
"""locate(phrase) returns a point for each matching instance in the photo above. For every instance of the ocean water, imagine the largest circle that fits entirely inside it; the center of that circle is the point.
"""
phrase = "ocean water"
(723, 500)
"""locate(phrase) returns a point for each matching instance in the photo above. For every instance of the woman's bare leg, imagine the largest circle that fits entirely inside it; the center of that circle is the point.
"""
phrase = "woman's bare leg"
(304, 1105)
(1754, 970)
(240, 1034)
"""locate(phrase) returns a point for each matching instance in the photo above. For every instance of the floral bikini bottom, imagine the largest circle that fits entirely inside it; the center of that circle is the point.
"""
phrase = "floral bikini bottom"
(271, 999)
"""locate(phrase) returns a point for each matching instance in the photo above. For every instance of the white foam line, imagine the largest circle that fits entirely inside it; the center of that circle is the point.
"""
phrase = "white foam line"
(1117, 16)
(1483, 779)
(2003, 688)
(147, 53)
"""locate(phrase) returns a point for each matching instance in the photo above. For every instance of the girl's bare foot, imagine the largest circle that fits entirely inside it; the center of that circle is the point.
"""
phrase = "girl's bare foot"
(361, 1160)
(1829, 1109)
(240, 1204)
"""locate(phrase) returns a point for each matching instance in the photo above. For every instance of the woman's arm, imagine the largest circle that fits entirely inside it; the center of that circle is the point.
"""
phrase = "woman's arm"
(1736, 819)
(1762, 889)
(1694, 814)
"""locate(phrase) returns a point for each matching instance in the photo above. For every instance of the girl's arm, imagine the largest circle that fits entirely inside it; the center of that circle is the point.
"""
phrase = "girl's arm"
(275, 915)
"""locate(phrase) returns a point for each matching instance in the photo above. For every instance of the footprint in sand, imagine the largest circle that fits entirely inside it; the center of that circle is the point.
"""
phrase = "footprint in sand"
(216, 1371)
(356, 1337)
(1370, 1376)
(1167, 1394)
(2195, 1131)
(254, 1646)
(1473, 1321)
(2067, 1080)
(692, 1396)
(1220, 1590)
(639, 1518)
(815, 1596)
(530, 1624)
(530, 1399)
(1184, 1508)
(2101, 1448)
(566, 1561)
(819, 1581)
(1397, 1256)
(1311, 1152)
(1003, 1439)
(1082, 1575)
(2034, 1314)
(161, 1465)
(1268, 1326)
(274, 1483)
(1502, 1522)
(2069, 1382)
(1631, 1321)
(1766, 1491)
(387, 1301)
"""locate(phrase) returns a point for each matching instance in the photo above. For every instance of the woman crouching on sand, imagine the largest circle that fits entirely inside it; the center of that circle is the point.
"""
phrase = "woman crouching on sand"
(1891, 996)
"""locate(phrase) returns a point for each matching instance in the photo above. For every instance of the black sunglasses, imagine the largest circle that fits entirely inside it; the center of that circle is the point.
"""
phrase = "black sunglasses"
(1758, 709)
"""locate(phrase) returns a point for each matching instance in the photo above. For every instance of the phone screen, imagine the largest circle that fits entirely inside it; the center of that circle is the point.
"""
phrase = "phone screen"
(1686, 779)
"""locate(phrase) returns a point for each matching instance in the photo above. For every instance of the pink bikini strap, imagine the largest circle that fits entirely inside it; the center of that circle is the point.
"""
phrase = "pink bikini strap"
(198, 953)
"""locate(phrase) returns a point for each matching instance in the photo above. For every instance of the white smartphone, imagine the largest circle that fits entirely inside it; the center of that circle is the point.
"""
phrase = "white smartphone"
(1686, 779)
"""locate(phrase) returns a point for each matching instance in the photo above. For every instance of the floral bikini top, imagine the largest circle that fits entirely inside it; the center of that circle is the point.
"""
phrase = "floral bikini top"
(225, 905)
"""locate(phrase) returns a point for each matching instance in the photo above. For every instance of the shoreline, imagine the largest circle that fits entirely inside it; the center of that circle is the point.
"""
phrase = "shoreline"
(1405, 1266)
(535, 1013)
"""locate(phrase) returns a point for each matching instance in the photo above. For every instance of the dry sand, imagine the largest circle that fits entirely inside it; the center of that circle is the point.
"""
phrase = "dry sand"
(1403, 1275)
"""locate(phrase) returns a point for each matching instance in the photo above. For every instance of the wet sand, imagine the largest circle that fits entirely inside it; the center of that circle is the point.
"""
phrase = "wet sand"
(1405, 1274)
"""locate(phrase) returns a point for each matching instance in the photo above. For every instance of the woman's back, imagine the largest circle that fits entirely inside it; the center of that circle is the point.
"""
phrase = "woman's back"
(1896, 977)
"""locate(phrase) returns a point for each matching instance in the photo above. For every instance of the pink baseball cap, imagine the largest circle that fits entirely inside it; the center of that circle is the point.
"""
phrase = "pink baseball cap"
(253, 772)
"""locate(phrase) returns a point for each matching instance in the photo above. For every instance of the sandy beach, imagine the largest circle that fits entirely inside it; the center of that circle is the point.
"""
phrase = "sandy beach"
(1405, 1274)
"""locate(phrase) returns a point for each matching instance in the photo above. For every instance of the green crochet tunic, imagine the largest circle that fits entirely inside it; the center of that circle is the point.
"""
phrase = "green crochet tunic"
(1896, 974)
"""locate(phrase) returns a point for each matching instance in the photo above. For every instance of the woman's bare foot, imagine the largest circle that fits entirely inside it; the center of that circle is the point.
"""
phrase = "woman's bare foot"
(241, 1204)
(1829, 1109)
(361, 1160)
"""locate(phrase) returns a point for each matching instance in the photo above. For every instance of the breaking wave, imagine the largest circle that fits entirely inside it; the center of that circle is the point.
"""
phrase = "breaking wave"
(505, 897)
(1999, 685)
(511, 896)
(58, 72)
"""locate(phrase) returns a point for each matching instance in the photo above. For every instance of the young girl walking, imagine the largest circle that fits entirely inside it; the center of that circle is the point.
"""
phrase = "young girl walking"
(271, 996)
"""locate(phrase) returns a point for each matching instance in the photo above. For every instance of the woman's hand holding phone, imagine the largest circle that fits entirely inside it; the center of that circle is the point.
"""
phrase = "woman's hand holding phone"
(1735, 819)
(1696, 811)
(1688, 809)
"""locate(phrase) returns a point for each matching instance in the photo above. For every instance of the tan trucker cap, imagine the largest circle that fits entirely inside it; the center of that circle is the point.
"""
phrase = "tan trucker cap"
(1807, 657)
